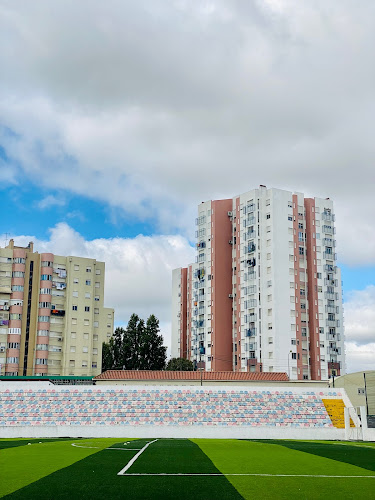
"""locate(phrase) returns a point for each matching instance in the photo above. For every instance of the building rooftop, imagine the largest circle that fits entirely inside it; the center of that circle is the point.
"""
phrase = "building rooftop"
(183, 375)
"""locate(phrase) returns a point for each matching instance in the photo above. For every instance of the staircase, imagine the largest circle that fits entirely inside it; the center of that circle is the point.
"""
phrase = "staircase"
(335, 410)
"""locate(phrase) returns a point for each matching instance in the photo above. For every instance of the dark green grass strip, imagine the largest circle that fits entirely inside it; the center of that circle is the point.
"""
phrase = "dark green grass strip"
(354, 455)
(24, 442)
(96, 477)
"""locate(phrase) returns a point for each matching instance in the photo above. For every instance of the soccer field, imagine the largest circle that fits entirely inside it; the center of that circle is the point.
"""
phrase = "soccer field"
(185, 469)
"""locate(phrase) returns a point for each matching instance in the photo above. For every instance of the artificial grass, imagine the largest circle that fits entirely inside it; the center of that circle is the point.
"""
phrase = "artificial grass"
(96, 476)
(13, 443)
(61, 471)
(249, 457)
(23, 465)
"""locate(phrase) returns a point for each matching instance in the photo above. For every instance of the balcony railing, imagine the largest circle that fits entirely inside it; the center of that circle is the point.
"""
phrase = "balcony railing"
(251, 332)
(331, 323)
(329, 256)
(327, 216)
(336, 337)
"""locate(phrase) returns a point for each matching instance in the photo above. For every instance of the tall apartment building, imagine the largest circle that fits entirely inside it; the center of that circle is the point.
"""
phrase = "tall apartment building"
(52, 317)
(264, 293)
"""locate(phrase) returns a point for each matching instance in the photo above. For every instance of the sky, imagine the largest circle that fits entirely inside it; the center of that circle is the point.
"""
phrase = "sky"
(118, 118)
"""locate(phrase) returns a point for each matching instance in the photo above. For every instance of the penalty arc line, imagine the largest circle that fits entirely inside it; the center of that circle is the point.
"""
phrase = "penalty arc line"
(131, 462)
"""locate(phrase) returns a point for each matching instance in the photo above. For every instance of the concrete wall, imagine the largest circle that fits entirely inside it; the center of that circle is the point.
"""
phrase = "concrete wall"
(148, 431)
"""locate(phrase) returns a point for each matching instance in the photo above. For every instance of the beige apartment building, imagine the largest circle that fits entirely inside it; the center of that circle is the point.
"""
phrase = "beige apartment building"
(52, 315)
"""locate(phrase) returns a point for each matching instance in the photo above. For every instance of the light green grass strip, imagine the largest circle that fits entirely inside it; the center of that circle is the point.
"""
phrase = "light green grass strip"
(233, 456)
(23, 465)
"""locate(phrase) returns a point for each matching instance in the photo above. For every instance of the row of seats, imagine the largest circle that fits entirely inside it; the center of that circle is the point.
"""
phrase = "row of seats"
(169, 406)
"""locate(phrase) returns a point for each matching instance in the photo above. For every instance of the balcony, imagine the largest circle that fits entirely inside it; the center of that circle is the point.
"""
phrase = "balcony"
(201, 244)
(328, 229)
(331, 323)
(328, 216)
(251, 262)
(329, 256)
(329, 242)
(330, 295)
(330, 282)
(330, 268)
(333, 337)
(57, 312)
(251, 332)
(335, 351)
(331, 309)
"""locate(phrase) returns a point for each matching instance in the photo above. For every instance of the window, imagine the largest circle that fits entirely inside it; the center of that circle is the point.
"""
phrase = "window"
(361, 390)
(40, 361)
(45, 319)
(97, 272)
(86, 336)
(301, 250)
(87, 308)
(73, 335)
(85, 349)
(75, 294)
(97, 298)
(96, 324)
(75, 280)
(87, 295)
(290, 217)
(294, 355)
(268, 216)
(42, 333)
(97, 284)
(45, 291)
(95, 351)
(74, 308)
(95, 338)
(42, 347)
(18, 274)
(74, 321)
(88, 269)
(88, 282)
(84, 364)
(76, 267)
(19, 260)
(86, 322)
(17, 288)
(46, 277)
(72, 348)
(96, 310)
(293, 341)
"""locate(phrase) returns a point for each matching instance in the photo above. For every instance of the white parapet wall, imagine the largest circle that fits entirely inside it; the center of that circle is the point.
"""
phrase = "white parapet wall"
(187, 432)
(190, 430)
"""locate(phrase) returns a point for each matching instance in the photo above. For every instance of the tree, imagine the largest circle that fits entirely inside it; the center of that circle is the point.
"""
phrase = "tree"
(180, 364)
(138, 347)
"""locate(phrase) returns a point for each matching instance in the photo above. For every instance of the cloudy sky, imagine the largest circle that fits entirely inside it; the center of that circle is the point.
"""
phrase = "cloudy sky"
(118, 118)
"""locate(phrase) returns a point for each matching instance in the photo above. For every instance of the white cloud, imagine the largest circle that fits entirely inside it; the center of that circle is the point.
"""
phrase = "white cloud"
(138, 271)
(153, 106)
(360, 329)
(50, 201)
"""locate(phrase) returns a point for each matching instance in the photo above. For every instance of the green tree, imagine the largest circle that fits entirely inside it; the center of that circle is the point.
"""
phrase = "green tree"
(138, 347)
(180, 364)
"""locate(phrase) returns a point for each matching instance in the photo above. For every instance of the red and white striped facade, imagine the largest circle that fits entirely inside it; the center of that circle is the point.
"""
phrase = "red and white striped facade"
(265, 291)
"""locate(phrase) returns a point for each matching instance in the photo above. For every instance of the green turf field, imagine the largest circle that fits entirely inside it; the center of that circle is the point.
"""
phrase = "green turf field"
(185, 469)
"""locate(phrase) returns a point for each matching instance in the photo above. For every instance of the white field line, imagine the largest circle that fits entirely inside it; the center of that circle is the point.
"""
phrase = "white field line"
(131, 462)
(80, 446)
(264, 475)
(97, 447)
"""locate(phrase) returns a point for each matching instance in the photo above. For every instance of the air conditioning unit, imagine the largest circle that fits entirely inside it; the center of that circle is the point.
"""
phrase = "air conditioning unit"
(230, 296)
(230, 242)
(230, 214)
(2, 349)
